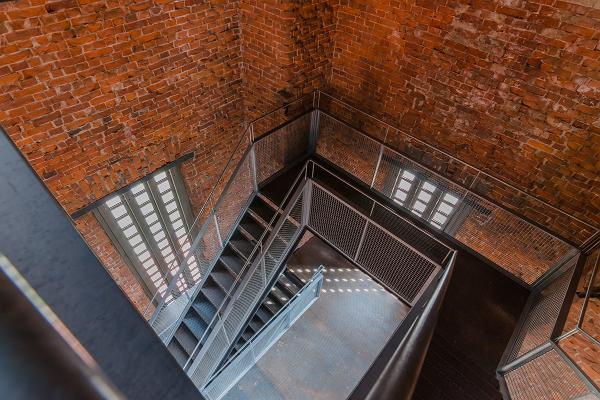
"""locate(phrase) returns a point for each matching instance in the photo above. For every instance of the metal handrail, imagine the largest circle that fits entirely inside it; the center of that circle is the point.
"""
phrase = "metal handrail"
(243, 270)
(395, 376)
(445, 153)
(265, 326)
(380, 204)
(249, 130)
(176, 277)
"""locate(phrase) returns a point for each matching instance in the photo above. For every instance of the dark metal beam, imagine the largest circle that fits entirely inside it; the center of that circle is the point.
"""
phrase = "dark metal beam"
(39, 238)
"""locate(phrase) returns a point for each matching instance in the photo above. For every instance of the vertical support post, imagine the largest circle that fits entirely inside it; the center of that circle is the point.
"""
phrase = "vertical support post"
(306, 200)
(362, 239)
(288, 318)
(263, 267)
(221, 244)
(377, 166)
(253, 167)
(315, 117)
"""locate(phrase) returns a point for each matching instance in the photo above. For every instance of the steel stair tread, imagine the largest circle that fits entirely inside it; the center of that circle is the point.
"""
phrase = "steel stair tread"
(186, 338)
(253, 228)
(283, 288)
(204, 309)
(214, 294)
(264, 314)
(243, 246)
(223, 279)
(262, 209)
(195, 324)
(232, 262)
(178, 352)
(256, 324)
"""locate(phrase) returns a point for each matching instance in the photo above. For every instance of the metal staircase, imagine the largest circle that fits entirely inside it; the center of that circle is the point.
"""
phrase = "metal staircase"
(193, 329)
(280, 294)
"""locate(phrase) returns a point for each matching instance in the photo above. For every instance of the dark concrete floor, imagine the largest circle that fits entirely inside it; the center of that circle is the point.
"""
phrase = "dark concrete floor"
(478, 317)
(328, 350)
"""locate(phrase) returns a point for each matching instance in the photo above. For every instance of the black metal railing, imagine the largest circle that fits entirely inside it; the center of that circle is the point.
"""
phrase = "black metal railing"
(395, 372)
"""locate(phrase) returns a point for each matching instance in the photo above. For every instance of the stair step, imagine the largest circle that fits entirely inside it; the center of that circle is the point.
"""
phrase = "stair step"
(223, 278)
(252, 227)
(272, 305)
(186, 338)
(243, 246)
(247, 336)
(214, 294)
(262, 209)
(285, 288)
(264, 314)
(232, 261)
(256, 324)
(178, 352)
(195, 324)
(293, 278)
(204, 308)
(278, 295)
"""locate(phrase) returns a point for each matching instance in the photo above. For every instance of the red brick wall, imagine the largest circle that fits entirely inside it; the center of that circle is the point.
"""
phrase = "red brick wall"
(510, 86)
(287, 48)
(97, 94)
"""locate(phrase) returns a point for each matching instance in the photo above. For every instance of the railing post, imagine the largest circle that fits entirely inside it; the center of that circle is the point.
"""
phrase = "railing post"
(253, 166)
(221, 244)
(264, 271)
(315, 118)
(306, 202)
(377, 166)
(362, 239)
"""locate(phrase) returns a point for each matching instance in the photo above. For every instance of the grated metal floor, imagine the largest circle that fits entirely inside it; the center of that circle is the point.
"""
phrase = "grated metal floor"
(327, 351)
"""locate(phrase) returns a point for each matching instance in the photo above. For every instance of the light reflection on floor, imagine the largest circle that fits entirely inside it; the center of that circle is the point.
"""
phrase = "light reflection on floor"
(331, 346)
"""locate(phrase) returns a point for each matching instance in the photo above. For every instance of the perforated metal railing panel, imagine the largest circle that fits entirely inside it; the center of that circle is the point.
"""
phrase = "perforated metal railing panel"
(394, 263)
(387, 257)
(282, 148)
(349, 149)
(335, 221)
(488, 229)
(410, 234)
(235, 197)
(542, 316)
(254, 283)
(546, 377)
(532, 250)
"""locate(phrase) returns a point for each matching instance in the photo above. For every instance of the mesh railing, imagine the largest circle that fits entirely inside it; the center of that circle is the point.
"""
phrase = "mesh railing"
(392, 261)
(533, 366)
(282, 148)
(253, 350)
(219, 215)
(259, 271)
(206, 247)
(547, 376)
(485, 227)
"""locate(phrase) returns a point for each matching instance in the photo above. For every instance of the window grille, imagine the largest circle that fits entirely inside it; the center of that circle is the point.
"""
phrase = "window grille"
(149, 223)
(424, 199)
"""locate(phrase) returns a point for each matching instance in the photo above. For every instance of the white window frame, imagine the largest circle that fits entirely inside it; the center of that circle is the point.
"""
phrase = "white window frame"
(158, 210)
